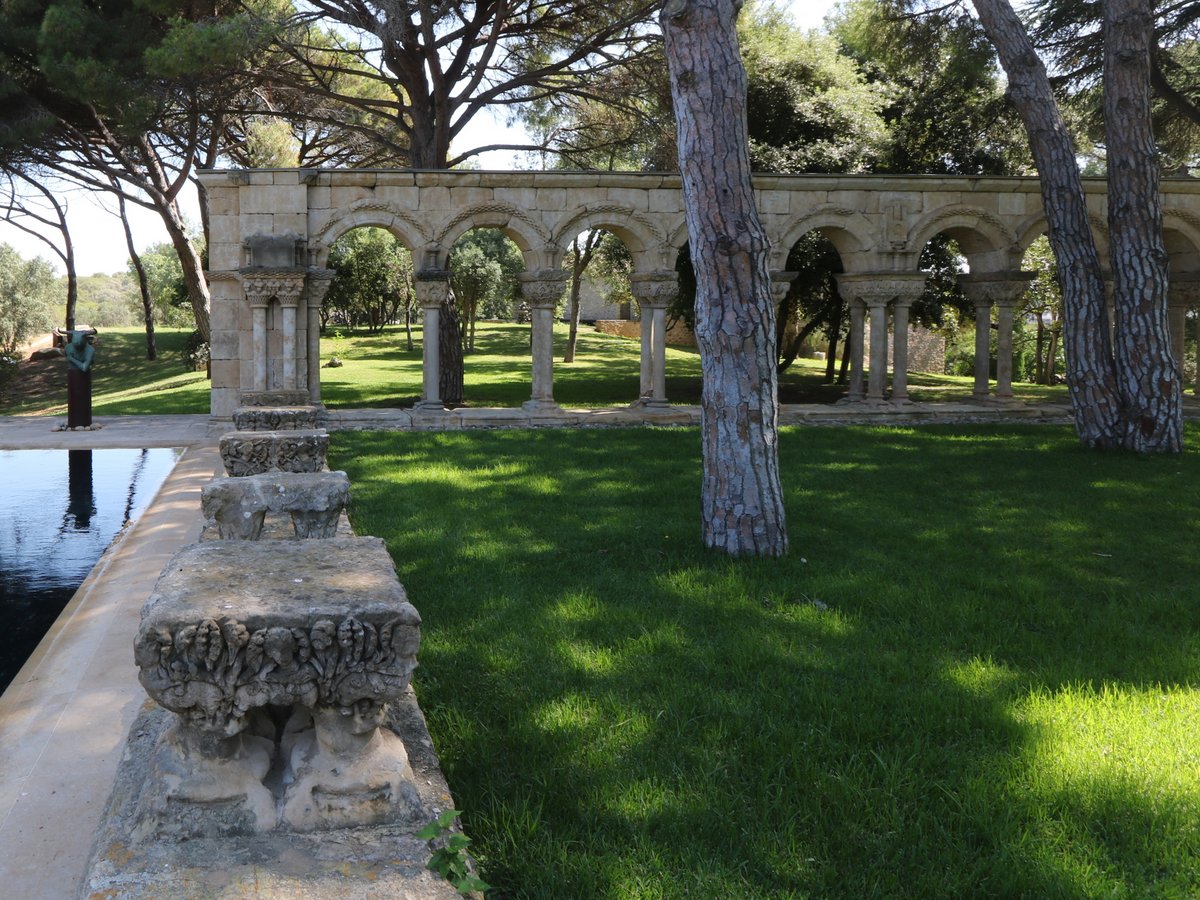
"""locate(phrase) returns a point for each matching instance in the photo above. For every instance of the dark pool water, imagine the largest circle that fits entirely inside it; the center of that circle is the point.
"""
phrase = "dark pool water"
(59, 510)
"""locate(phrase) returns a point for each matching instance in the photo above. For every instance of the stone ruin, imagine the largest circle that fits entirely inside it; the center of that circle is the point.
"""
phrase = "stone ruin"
(284, 656)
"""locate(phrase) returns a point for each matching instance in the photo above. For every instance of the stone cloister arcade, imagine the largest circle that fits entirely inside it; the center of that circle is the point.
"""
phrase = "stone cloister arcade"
(271, 232)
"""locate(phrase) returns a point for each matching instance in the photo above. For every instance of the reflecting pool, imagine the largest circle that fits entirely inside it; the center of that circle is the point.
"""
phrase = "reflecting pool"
(59, 510)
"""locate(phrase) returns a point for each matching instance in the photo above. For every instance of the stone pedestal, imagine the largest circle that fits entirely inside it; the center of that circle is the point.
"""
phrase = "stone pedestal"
(323, 636)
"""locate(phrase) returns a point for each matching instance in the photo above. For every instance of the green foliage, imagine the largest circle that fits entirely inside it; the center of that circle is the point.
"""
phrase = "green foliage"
(28, 297)
(108, 301)
(168, 292)
(451, 860)
(373, 284)
(947, 112)
(196, 353)
(809, 107)
(484, 266)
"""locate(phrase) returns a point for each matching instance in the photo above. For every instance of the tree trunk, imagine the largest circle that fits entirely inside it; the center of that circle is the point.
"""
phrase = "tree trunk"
(582, 259)
(741, 496)
(1090, 374)
(1148, 375)
(189, 261)
(143, 284)
(1039, 364)
(835, 329)
(408, 324)
(450, 353)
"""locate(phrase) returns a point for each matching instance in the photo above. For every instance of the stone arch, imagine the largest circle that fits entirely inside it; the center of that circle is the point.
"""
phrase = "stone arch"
(1181, 236)
(367, 214)
(641, 237)
(1033, 227)
(848, 230)
(530, 236)
(978, 232)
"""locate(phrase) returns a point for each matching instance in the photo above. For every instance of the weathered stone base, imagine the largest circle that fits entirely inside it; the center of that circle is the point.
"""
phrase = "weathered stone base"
(276, 418)
(275, 398)
(365, 861)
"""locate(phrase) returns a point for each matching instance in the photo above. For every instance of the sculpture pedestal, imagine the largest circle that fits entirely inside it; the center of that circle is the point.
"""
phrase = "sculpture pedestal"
(79, 398)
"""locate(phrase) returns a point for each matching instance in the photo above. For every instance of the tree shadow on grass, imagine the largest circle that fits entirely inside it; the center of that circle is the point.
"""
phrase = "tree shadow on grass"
(620, 713)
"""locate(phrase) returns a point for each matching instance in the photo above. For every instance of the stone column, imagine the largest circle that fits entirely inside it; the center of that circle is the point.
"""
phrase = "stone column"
(542, 290)
(907, 290)
(1004, 348)
(261, 286)
(858, 311)
(319, 281)
(655, 292)
(875, 291)
(983, 345)
(1183, 292)
(1002, 290)
(258, 316)
(432, 287)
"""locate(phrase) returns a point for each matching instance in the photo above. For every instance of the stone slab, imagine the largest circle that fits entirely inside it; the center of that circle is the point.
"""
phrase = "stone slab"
(291, 578)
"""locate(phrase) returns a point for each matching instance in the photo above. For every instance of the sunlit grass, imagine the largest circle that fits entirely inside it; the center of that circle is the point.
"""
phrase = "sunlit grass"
(973, 676)
(380, 371)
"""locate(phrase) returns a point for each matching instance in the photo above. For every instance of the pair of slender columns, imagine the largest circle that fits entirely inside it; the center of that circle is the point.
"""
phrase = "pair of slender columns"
(1002, 290)
(872, 295)
(652, 389)
(286, 287)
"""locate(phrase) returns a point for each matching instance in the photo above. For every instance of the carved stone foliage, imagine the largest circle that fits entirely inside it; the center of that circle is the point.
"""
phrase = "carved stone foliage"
(1001, 289)
(276, 418)
(263, 286)
(213, 672)
(276, 398)
(256, 452)
(879, 290)
(543, 288)
(660, 289)
(431, 286)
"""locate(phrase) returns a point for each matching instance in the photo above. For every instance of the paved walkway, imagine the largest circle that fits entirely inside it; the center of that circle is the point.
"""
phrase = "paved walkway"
(39, 432)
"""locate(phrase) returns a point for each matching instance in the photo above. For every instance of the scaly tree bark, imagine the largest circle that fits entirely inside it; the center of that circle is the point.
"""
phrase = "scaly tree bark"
(1127, 397)
(1148, 375)
(741, 496)
(1090, 377)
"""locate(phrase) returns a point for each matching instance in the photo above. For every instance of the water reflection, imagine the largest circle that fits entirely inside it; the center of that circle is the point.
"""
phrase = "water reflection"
(82, 504)
(59, 510)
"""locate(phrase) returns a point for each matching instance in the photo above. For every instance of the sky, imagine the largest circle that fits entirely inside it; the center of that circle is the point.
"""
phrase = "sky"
(100, 241)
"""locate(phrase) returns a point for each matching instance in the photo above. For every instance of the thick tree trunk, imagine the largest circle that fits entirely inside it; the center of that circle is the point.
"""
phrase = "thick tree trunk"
(1148, 375)
(741, 496)
(1090, 374)
(450, 353)
(189, 261)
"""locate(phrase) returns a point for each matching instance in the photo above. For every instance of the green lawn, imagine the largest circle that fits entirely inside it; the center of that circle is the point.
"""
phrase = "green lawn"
(973, 676)
(380, 372)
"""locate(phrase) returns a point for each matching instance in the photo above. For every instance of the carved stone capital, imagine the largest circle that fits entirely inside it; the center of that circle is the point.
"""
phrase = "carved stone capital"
(319, 281)
(543, 288)
(995, 288)
(781, 283)
(874, 290)
(264, 285)
(655, 289)
(432, 287)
